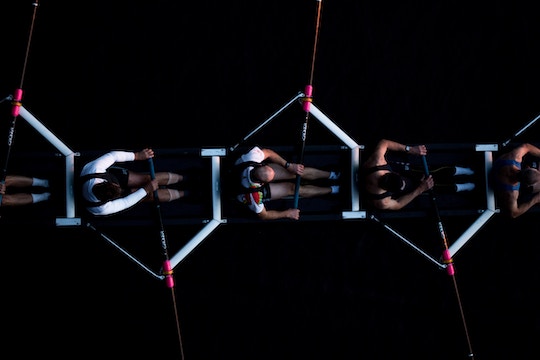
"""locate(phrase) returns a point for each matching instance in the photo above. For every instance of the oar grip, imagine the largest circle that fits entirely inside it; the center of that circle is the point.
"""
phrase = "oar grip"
(297, 191)
(152, 170)
(424, 161)
(153, 176)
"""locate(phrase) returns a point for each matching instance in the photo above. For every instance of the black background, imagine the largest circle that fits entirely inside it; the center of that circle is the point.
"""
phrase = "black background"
(167, 74)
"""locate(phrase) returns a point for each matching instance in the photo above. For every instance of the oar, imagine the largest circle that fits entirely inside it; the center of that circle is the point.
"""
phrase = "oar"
(447, 258)
(167, 268)
(306, 105)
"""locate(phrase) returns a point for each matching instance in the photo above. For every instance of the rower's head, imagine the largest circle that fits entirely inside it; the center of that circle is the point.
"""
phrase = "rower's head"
(107, 191)
(392, 181)
(530, 179)
(262, 174)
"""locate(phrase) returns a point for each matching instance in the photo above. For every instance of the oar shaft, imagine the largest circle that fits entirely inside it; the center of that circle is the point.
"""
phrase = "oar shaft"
(167, 269)
(307, 102)
(446, 253)
(301, 159)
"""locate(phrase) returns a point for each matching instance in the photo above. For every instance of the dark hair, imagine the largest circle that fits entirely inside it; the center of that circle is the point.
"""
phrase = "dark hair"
(391, 181)
(106, 191)
(528, 177)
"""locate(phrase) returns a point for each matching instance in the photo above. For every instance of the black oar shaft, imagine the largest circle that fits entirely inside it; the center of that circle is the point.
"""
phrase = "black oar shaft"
(16, 102)
(167, 269)
(307, 102)
(448, 259)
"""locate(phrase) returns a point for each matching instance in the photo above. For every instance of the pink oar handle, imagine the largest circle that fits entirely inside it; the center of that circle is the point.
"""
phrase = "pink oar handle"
(167, 270)
(449, 262)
